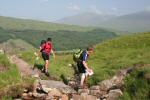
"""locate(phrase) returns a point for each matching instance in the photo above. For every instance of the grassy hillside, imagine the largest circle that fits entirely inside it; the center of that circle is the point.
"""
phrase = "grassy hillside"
(116, 54)
(112, 55)
(15, 45)
(25, 24)
(108, 58)
(62, 40)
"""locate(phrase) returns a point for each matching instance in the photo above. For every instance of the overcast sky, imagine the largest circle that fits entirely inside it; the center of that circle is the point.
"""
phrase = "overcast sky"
(51, 10)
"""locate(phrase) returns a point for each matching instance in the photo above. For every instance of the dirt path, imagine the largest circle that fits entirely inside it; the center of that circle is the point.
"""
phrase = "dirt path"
(24, 68)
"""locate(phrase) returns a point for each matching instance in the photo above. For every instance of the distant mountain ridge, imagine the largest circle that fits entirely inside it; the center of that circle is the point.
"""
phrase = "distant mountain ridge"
(28, 24)
(135, 22)
(85, 19)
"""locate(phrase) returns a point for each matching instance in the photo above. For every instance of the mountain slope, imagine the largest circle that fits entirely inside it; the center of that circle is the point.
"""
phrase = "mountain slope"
(137, 22)
(116, 54)
(62, 39)
(26, 24)
(15, 45)
(85, 19)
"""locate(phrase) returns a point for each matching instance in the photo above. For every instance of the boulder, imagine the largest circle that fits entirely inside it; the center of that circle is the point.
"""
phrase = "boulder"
(114, 94)
(80, 91)
(94, 87)
(83, 96)
(48, 85)
(105, 85)
(95, 92)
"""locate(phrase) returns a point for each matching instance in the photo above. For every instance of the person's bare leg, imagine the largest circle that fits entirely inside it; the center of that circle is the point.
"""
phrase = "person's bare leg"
(46, 65)
(82, 79)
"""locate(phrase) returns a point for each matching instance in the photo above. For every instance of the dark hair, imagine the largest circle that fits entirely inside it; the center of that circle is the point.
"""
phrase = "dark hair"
(49, 39)
(91, 48)
(43, 41)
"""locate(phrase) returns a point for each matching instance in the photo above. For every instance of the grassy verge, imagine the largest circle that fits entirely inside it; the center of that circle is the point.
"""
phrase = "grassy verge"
(11, 83)
(137, 85)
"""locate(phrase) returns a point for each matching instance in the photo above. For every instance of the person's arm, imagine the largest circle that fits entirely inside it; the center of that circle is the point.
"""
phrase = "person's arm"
(52, 51)
(84, 61)
(85, 64)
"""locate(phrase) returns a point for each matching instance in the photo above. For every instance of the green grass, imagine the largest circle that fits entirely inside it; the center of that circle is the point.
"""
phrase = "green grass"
(11, 83)
(137, 87)
(57, 68)
(116, 54)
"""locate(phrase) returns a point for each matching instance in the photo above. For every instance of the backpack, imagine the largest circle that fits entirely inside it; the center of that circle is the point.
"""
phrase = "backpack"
(48, 47)
(42, 45)
(76, 55)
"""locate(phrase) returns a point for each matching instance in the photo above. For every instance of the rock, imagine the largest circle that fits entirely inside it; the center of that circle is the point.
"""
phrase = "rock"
(80, 91)
(105, 85)
(114, 94)
(94, 88)
(30, 94)
(64, 97)
(83, 96)
(48, 85)
(87, 97)
(95, 92)
(25, 90)
(73, 84)
(26, 96)
(55, 92)
(18, 99)
(40, 95)
(46, 89)
(35, 94)
(103, 97)
(76, 97)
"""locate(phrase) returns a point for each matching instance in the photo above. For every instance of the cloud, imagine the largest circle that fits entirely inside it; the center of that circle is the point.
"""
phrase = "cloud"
(94, 9)
(73, 7)
(44, 0)
(114, 9)
(147, 8)
(110, 11)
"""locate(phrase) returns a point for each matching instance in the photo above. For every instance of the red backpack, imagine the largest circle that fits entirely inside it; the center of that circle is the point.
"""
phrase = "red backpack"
(48, 47)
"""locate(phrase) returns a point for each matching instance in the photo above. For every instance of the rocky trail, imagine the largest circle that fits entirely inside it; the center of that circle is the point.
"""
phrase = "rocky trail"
(109, 89)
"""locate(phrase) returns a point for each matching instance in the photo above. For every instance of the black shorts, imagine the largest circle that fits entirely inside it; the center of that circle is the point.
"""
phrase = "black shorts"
(45, 56)
(81, 67)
